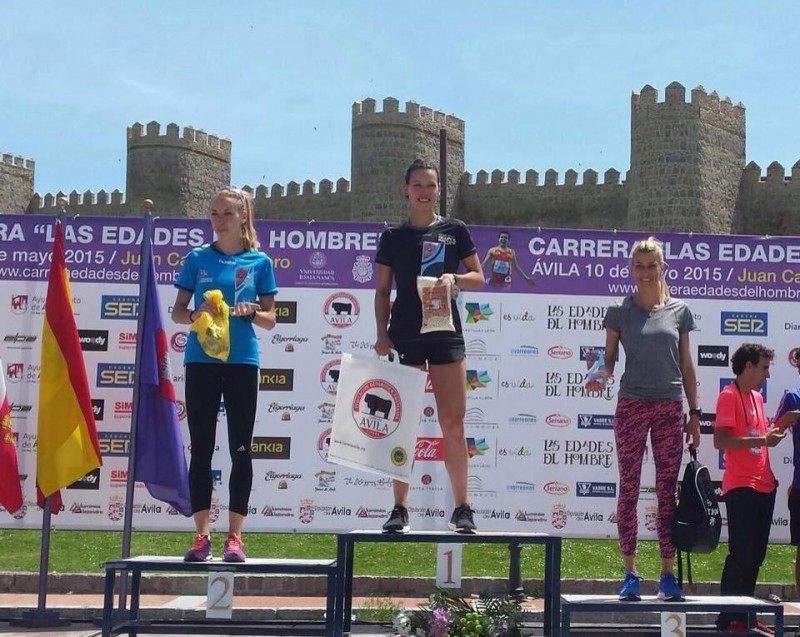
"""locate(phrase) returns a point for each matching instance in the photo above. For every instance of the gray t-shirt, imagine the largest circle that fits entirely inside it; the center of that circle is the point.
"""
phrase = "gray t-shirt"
(650, 341)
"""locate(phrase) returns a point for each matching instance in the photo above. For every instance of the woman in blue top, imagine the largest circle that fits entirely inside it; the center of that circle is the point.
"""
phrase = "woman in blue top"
(245, 276)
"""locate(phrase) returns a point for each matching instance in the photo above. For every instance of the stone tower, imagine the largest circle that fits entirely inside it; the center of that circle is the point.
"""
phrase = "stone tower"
(16, 183)
(686, 161)
(179, 173)
(385, 143)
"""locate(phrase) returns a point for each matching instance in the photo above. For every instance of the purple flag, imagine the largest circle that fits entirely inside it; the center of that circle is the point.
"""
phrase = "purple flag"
(160, 462)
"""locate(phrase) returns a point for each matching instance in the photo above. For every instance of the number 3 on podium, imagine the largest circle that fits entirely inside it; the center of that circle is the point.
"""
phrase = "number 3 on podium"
(673, 624)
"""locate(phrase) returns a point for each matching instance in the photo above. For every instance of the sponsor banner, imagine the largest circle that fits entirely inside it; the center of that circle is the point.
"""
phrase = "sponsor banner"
(541, 452)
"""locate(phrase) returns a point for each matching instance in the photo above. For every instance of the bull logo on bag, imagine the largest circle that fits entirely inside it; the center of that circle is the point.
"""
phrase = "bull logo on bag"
(377, 408)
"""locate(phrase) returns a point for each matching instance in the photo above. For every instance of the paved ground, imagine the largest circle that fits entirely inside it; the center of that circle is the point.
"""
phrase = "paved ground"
(82, 609)
(182, 599)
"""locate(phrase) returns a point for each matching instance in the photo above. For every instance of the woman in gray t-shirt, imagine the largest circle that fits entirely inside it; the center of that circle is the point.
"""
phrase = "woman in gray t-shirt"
(654, 331)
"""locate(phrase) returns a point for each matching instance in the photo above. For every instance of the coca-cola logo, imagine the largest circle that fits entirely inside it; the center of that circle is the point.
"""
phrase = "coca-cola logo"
(429, 448)
(559, 351)
(556, 488)
(558, 420)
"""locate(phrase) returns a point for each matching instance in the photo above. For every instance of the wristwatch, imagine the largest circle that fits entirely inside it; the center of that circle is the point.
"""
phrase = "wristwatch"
(696, 411)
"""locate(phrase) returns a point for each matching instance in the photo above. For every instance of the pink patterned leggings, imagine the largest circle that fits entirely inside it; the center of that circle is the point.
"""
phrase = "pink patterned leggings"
(664, 420)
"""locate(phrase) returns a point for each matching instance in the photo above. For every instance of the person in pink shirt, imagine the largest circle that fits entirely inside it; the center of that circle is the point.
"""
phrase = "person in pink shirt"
(748, 484)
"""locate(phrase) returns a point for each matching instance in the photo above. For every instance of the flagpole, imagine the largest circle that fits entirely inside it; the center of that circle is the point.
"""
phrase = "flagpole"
(144, 275)
(41, 617)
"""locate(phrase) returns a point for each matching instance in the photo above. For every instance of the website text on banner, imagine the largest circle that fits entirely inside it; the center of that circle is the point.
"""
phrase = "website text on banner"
(542, 455)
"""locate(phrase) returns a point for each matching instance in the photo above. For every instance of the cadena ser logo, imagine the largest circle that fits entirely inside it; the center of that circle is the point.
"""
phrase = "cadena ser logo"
(271, 379)
(115, 374)
(114, 443)
(744, 323)
(286, 311)
(116, 306)
(341, 309)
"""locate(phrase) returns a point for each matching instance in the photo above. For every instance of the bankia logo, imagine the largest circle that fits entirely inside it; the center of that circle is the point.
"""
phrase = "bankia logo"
(115, 374)
(596, 489)
(744, 324)
(286, 311)
(271, 379)
(116, 306)
(712, 355)
(93, 340)
(595, 421)
(271, 448)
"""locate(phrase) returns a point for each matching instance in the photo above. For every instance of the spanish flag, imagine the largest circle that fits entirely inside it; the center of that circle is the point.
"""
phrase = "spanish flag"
(66, 447)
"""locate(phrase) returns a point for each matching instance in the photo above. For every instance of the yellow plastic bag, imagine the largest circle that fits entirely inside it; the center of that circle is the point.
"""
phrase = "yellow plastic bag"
(213, 332)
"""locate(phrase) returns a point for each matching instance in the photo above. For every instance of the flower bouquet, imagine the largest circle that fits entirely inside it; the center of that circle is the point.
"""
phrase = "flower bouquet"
(448, 615)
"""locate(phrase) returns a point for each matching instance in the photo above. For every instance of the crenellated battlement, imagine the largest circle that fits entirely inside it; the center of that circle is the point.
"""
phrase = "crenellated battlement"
(88, 203)
(611, 177)
(416, 115)
(295, 189)
(687, 173)
(196, 139)
(17, 162)
(703, 105)
(775, 174)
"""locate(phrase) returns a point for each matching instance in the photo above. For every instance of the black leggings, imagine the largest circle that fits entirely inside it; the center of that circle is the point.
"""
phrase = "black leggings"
(749, 523)
(237, 384)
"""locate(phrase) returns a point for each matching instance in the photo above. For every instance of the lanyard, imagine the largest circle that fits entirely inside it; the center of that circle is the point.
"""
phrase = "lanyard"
(744, 407)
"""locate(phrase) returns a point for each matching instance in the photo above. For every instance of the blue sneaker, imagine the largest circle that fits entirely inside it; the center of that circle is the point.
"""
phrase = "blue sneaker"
(668, 589)
(629, 591)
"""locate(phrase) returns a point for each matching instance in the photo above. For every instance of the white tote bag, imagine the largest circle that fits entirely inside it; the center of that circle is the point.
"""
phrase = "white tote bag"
(377, 414)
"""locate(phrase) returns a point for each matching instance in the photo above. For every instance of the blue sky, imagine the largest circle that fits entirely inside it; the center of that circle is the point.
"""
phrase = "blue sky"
(540, 84)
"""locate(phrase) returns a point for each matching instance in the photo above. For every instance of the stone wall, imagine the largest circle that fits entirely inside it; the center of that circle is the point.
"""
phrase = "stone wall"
(16, 183)
(687, 173)
(179, 174)
(385, 142)
(507, 201)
